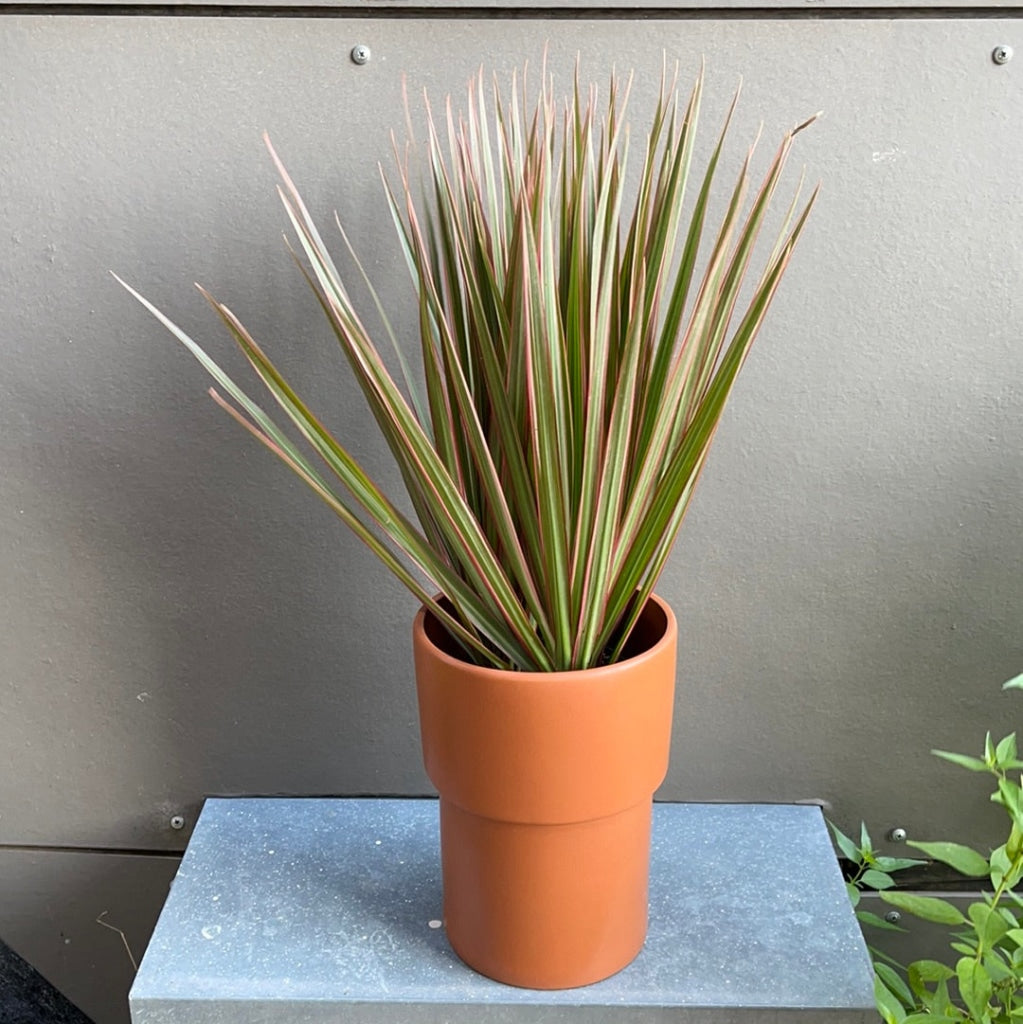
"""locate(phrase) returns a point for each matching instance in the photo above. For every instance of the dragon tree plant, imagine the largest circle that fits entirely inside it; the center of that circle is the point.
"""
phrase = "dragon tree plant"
(578, 341)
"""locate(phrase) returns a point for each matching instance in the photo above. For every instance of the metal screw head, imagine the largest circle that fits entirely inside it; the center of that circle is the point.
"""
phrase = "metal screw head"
(893, 917)
(177, 822)
(897, 835)
(1001, 54)
(360, 54)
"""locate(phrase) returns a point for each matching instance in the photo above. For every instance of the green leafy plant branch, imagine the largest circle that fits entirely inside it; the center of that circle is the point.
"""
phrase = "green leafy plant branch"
(984, 985)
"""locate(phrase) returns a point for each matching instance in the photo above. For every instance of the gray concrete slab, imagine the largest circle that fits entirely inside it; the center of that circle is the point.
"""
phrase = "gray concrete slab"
(309, 910)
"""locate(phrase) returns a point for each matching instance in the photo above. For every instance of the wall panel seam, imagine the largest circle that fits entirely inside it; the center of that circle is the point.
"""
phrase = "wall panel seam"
(118, 850)
(398, 9)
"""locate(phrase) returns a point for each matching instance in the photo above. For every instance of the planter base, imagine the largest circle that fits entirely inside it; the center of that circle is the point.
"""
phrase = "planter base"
(509, 888)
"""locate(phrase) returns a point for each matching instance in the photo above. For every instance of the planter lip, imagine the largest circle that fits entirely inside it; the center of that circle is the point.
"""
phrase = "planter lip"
(595, 674)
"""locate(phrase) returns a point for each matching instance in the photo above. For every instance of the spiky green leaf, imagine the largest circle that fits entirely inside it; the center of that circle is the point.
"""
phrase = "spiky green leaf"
(576, 361)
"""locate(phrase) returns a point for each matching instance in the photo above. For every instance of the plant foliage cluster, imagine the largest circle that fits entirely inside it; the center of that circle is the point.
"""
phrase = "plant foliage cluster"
(983, 982)
(578, 345)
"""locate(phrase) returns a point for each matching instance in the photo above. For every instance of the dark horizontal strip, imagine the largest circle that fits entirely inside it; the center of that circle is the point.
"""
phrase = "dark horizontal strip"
(156, 852)
(457, 11)
(930, 876)
(124, 851)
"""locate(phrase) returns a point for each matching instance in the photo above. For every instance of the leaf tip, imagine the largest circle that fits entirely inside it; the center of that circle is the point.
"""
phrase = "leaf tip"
(806, 124)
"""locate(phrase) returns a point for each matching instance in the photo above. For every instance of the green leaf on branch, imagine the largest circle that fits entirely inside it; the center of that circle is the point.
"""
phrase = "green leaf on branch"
(877, 879)
(897, 863)
(888, 1004)
(866, 917)
(846, 846)
(938, 1002)
(974, 764)
(1010, 796)
(1010, 918)
(974, 987)
(990, 925)
(1005, 752)
(1014, 844)
(1001, 865)
(1011, 793)
(996, 967)
(853, 892)
(894, 983)
(966, 861)
(932, 971)
(929, 908)
(866, 847)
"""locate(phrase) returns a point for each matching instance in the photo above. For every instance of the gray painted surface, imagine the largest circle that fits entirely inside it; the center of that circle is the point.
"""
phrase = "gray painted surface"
(51, 903)
(180, 619)
(918, 940)
(185, 620)
(699, 8)
(321, 910)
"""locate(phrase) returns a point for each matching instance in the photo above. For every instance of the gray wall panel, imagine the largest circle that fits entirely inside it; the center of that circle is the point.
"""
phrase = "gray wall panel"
(49, 905)
(919, 940)
(181, 619)
(681, 8)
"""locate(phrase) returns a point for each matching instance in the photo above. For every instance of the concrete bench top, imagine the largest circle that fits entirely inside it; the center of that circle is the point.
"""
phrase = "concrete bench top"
(312, 910)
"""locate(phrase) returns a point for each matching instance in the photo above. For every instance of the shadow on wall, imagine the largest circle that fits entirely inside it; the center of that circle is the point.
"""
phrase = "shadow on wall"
(53, 905)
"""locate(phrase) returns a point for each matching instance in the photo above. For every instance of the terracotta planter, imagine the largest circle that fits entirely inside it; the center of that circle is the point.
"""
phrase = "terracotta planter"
(546, 783)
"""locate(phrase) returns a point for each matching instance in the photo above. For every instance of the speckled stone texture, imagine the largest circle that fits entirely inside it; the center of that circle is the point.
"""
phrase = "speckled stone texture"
(314, 910)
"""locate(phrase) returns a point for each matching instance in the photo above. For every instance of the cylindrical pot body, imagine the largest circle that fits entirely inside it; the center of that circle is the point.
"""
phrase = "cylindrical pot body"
(546, 782)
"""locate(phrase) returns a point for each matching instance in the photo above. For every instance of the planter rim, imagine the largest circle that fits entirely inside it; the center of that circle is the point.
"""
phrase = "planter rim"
(595, 673)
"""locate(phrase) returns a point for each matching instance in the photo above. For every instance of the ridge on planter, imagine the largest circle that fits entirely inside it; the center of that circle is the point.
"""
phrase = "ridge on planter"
(328, 909)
